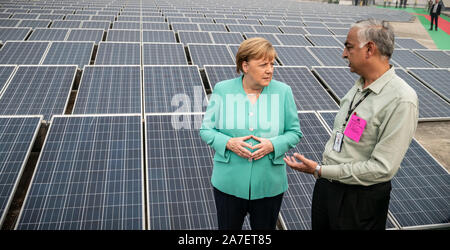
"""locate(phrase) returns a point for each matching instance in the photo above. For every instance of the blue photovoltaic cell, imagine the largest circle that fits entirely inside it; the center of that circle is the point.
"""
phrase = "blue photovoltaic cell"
(17, 135)
(408, 43)
(216, 73)
(194, 37)
(17, 34)
(88, 35)
(295, 56)
(89, 176)
(308, 93)
(111, 53)
(109, 90)
(173, 89)
(329, 56)
(320, 40)
(209, 54)
(407, 58)
(420, 193)
(430, 104)
(436, 79)
(22, 52)
(293, 39)
(164, 54)
(227, 37)
(338, 79)
(69, 53)
(5, 73)
(268, 36)
(38, 90)
(118, 35)
(45, 34)
(436, 57)
(179, 168)
(161, 36)
(296, 206)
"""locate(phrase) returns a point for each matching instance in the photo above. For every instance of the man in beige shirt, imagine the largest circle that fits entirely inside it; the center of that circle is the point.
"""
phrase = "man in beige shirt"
(371, 134)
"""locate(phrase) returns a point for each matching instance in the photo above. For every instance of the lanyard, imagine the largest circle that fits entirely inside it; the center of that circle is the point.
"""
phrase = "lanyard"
(350, 109)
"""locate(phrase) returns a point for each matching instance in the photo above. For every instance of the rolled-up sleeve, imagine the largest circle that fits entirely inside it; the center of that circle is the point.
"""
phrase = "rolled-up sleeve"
(291, 134)
(384, 162)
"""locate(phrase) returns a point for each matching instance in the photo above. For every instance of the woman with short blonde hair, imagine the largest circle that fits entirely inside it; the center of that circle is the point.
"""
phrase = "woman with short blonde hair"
(251, 122)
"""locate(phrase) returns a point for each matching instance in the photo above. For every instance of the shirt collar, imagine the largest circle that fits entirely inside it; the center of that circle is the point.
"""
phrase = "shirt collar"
(378, 84)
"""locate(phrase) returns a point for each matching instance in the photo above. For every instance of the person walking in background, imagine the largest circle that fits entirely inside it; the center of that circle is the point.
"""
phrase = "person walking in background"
(251, 122)
(371, 134)
(435, 11)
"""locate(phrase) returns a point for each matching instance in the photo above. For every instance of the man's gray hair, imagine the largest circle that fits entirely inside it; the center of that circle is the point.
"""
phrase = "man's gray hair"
(379, 32)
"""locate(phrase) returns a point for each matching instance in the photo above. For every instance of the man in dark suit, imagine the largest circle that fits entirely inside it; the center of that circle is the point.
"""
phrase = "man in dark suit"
(435, 11)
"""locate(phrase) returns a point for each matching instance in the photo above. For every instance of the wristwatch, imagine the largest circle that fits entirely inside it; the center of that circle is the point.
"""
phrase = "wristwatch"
(316, 171)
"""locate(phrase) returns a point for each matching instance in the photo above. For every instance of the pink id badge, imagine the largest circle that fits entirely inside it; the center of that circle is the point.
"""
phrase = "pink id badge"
(355, 128)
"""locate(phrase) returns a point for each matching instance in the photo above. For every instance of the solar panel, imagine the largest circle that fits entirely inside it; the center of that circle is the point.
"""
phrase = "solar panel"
(109, 90)
(66, 24)
(18, 34)
(179, 168)
(194, 37)
(296, 207)
(409, 43)
(329, 56)
(240, 28)
(308, 93)
(431, 106)
(266, 29)
(339, 31)
(17, 135)
(23, 52)
(155, 26)
(293, 39)
(218, 73)
(318, 31)
(116, 53)
(339, 80)
(87, 35)
(44, 34)
(69, 53)
(5, 74)
(293, 30)
(435, 79)
(212, 27)
(406, 58)
(227, 37)
(202, 54)
(420, 195)
(89, 176)
(164, 54)
(34, 23)
(127, 25)
(185, 26)
(38, 90)
(268, 36)
(323, 40)
(122, 35)
(169, 89)
(161, 36)
(437, 57)
(95, 25)
(296, 56)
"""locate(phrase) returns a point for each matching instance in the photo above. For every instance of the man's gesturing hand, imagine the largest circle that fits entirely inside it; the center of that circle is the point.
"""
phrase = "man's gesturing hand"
(238, 144)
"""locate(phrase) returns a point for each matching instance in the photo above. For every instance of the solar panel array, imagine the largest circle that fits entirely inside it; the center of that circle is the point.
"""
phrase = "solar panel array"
(122, 72)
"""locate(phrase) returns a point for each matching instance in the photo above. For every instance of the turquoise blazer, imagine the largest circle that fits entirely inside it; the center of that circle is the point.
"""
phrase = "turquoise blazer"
(231, 114)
